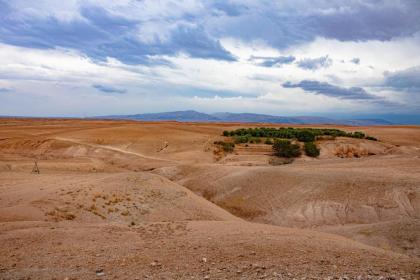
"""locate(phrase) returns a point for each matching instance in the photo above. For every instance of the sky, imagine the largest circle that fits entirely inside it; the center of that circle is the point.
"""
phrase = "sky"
(291, 57)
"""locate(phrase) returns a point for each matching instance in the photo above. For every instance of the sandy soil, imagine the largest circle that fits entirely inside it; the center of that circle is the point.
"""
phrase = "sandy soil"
(132, 200)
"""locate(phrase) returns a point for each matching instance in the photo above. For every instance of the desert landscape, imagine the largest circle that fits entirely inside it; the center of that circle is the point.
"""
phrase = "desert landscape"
(118, 199)
(197, 139)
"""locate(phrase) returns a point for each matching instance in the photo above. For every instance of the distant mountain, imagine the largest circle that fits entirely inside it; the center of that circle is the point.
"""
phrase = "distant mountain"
(257, 118)
(183, 116)
(194, 116)
(367, 122)
(260, 118)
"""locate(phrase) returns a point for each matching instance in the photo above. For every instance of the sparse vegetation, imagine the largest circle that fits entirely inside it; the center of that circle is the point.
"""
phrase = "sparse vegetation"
(275, 161)
(371, 138)
(255, 140)
(227, 147)
(59, 214)
(268, 141)
(311, 149)
(242, 138)
(285, 148)
(245, 135)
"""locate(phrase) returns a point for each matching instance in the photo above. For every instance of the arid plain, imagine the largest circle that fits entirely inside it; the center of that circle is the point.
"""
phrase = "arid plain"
(134, 200)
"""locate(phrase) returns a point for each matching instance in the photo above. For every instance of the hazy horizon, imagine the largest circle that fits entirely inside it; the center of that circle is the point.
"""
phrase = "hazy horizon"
(392, 118)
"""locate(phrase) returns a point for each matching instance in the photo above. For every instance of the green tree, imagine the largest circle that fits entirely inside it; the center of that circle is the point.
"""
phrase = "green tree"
(305, 136)
(311, 149)
(284, 148)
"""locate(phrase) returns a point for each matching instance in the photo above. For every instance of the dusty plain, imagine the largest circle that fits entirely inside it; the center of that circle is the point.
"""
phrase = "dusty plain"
(143, 200)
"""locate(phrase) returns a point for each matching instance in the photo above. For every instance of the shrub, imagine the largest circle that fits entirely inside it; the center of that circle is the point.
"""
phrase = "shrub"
(227, 147)
(311, 149)
(284, 148)
(357, 134)
(371, 138)
(280, 161)
(242, 139)
(268, 141)
(305, 136)
(226, 133)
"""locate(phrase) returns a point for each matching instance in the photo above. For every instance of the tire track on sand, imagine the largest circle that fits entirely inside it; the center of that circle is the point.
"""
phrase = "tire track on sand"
(113, 149)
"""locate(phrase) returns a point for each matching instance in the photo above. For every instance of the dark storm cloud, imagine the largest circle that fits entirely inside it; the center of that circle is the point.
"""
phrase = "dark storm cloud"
(315, 63)
(101, 34)
(355, 60)
(370, 20)
(408, 80)
(273, 61)
(331, 90)
(109, 89)
(287, 23)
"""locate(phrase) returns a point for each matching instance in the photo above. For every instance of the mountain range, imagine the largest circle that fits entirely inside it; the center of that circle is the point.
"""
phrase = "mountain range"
(194, 116)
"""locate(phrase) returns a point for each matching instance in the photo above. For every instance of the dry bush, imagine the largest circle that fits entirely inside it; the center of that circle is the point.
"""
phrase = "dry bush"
(280, 161)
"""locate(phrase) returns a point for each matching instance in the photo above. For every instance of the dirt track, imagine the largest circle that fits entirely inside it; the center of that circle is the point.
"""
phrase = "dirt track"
(127, 200)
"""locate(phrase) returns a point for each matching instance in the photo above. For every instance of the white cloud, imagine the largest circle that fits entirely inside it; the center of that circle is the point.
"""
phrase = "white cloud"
(60, 65)
(60, 75)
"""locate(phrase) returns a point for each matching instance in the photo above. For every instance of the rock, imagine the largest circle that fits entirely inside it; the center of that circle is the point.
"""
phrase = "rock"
(204, 260)
(154, 263)
(207, 277)
(100, 272)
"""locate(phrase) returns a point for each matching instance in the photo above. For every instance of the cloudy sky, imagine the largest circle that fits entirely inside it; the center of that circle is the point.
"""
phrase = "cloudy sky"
(290, 57)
